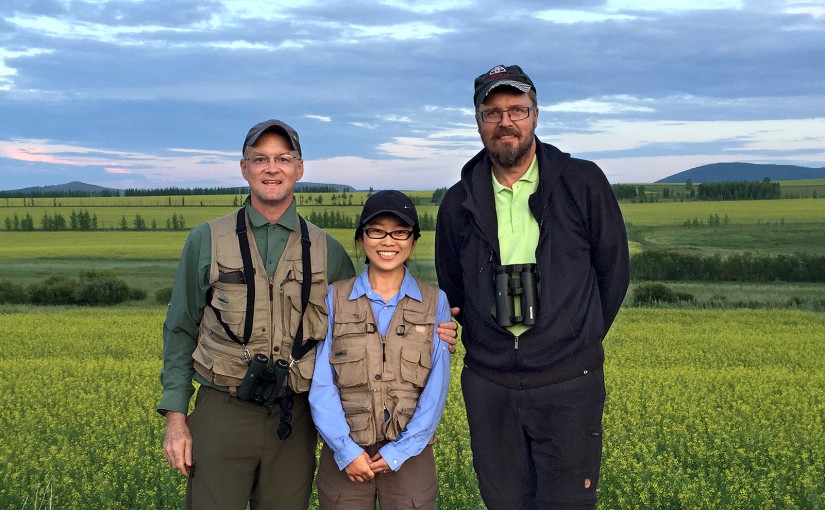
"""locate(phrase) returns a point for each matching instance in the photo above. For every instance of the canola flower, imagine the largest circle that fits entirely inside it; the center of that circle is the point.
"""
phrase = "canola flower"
(705, 410)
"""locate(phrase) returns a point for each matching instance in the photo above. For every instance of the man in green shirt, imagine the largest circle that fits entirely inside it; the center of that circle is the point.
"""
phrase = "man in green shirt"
(237, 300)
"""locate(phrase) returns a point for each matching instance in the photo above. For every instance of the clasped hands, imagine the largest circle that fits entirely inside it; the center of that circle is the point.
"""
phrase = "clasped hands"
(364, 468)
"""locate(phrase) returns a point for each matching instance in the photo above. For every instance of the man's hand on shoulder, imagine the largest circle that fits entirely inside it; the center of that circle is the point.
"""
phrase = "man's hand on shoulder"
(448, 331)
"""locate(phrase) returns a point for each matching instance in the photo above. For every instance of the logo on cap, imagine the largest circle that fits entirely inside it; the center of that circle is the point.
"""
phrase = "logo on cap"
(497, 70)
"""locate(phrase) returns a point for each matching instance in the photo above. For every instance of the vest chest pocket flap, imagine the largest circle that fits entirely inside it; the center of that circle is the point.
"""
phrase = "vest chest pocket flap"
(350, 364)
(315, 317)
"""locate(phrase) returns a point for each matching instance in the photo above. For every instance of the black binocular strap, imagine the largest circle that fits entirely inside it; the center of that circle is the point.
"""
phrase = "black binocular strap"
(299, 348)
(249, 276)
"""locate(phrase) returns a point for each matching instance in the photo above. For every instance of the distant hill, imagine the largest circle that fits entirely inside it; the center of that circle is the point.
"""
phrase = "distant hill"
(76, 187)
(719, 172)
(69, 187)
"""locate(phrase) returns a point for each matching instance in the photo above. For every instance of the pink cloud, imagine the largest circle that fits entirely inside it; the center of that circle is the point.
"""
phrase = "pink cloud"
(117, 171)
(35, 154)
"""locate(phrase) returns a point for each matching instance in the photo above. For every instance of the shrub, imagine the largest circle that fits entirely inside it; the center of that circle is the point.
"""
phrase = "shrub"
(684, 296)
(54, 290)
(102, 288)
(12, 293)
(163, 296)
(92, 289)
(653, 293)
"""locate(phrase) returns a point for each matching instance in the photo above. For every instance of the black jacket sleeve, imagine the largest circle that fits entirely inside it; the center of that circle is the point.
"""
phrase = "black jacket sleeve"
(447, 244)
(608, 240)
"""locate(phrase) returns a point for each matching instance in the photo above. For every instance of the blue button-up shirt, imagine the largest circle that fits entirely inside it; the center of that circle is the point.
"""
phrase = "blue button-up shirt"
(325, 400)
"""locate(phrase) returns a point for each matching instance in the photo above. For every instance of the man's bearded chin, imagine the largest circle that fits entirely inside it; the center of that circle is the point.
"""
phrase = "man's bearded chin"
(507, 158)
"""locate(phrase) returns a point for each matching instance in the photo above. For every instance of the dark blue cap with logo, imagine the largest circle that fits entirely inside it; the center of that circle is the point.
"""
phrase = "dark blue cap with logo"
(511, 76)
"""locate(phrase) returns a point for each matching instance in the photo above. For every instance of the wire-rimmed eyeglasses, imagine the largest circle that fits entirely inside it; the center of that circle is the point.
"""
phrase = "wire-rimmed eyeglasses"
(286, 160)
(515, 113)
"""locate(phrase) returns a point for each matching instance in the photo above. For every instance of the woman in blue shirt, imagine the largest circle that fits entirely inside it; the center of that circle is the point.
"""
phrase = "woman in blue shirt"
(381, 375)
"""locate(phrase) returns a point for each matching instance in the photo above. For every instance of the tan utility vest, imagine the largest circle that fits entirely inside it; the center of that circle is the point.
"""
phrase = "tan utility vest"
(277, 307)
(380, 379)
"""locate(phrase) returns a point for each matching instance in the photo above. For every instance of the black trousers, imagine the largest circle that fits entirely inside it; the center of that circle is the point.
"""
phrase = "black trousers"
(537, 448)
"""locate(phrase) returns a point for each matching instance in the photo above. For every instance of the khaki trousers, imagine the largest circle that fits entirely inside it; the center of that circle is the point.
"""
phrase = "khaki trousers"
(239, 459)
(414, 485)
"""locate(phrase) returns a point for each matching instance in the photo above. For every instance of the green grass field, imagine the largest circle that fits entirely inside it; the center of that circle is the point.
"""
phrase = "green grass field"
(705, 410)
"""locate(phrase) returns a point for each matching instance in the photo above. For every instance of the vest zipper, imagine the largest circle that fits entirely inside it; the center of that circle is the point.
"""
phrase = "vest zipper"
(516, 343)
(383, 370)
(283, 313)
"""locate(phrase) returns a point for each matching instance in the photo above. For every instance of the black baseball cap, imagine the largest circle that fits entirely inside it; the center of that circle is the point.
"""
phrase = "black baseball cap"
(272, 125)
(390, 202)
(511, 76)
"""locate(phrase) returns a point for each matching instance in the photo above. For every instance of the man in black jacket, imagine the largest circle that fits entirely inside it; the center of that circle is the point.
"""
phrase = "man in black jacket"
(531, 246)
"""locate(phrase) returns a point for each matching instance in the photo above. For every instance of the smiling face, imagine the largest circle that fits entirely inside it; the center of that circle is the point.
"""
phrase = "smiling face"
(271, 185)
(509, 143)
(387, 255)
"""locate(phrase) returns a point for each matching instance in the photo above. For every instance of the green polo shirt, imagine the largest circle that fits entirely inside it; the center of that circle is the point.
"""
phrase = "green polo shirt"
(518, 230)
(180, 331)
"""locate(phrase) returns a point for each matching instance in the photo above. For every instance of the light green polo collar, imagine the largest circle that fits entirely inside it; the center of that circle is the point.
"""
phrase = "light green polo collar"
(531, 176)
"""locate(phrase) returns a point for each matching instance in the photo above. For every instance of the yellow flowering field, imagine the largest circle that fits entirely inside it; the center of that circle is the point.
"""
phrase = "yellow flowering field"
(705, 410)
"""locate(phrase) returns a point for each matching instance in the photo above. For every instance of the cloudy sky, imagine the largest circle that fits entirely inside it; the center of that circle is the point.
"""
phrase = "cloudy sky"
(141, 94)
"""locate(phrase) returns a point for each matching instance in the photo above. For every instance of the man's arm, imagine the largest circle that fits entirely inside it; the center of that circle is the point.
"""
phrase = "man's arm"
(339, 265)
(180, 332)
(609, 253)
(447, 261)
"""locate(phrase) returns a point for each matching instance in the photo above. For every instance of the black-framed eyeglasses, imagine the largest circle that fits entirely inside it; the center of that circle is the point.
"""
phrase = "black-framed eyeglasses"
(281, 160)
(398, 235)
(284, 427)
(515, 113)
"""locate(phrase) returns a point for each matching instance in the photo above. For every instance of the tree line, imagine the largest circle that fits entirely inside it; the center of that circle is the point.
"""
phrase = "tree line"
(741, 267)
(709, 191)
(83, 221)
(326, 219)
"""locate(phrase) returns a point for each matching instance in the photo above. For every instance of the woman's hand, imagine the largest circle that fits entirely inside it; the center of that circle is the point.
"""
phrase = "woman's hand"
(359, 469)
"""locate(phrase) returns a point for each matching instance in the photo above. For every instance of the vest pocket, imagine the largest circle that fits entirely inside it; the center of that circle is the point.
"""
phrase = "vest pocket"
(360, 420)
(229, 301)
(419, 326)
(401, 416)
(315, 318)
(350, 365)
(300, 375)
(415, 366)
(220, 362)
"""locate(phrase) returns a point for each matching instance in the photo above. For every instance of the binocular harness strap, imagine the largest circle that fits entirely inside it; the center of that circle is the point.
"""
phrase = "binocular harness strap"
(299, 348)
(249, 276)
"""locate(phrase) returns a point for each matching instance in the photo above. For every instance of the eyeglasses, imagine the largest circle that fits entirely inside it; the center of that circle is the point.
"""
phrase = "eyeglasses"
(515, 113)
(398, 235)
(285, 161)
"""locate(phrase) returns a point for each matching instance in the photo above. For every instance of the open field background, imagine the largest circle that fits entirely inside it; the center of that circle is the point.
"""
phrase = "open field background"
(705, 410)
(147, 259)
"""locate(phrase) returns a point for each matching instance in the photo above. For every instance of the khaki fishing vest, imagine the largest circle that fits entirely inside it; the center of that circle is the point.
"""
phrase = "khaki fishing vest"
(380, 379)
(277, 307)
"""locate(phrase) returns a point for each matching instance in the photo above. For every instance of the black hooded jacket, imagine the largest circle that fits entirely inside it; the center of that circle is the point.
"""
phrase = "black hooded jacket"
(582, 260)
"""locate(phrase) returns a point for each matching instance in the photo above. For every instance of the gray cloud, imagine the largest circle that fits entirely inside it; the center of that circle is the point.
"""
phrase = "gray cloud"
(152, 75)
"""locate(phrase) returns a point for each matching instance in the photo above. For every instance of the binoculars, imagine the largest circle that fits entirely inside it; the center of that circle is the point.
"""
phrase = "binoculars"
(264, 383)
(516, 280)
